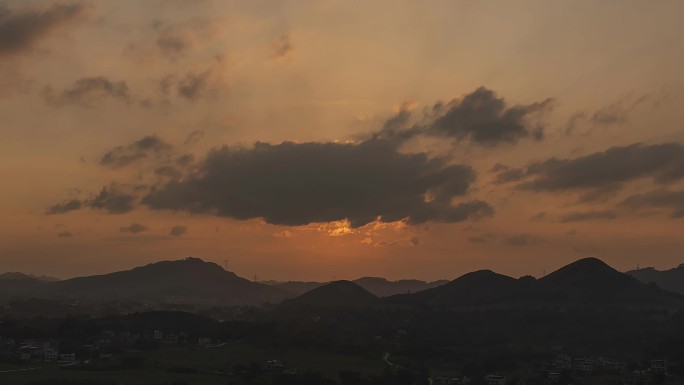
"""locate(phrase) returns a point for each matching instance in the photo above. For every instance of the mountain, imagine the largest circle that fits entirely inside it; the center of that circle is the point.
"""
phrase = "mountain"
(586, 281)
(15, 284)
(592, 280)
(189, 280)
(337, 293)
(21, 276)
(381, 287)
(295, 288)
(477, 288)
(672, 280)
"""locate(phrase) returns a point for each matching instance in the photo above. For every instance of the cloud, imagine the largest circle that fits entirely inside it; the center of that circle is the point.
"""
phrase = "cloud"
(661, 198)
(64, 234)
(481, 117)
(603, 172)
(113, 200)
(177, 231)
(303, 183)
(171, 43)
(520, 240)
(133, 228)
(191, 86)
(60, 208)
(21, 30)
(194, 137)
(588, 216)
(282, 47)
(147, 147)
(88, 90)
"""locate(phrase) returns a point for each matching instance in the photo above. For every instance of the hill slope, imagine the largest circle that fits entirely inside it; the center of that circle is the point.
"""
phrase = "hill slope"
(337, 293)
(586, 281)
(672, 280)
(190, 280)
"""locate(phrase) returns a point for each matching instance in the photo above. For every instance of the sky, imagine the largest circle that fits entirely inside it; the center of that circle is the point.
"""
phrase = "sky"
(305, 140)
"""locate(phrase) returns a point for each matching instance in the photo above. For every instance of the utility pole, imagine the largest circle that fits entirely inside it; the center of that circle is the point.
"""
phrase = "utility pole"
(255, 277)
(225, 264)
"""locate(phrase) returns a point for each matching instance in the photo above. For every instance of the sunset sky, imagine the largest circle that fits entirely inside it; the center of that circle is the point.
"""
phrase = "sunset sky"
(302, 140)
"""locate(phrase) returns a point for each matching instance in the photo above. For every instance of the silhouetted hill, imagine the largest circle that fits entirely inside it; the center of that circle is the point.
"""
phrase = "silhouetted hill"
(295, 288)
(190, 280)
(20, 276)
(337, 293)
(477, 288)
(16, 284)
(380, 287)
(587, 281)
(592, 280)
(672, 279)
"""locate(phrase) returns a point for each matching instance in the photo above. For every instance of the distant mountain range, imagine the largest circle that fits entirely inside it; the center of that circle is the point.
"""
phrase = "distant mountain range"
(380, 287)
(587, 281)
(195, 282)
(186, 281)
(672, 280)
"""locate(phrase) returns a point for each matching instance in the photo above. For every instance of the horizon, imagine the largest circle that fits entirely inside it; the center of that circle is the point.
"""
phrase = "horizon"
(265, 280)
(283, 138)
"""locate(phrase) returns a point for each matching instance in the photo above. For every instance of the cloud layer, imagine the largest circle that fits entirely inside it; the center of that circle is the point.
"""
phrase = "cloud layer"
(21, 30)
(298, 184)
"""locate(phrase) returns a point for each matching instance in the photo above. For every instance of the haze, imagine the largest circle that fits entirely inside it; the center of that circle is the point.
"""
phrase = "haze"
(310, 139)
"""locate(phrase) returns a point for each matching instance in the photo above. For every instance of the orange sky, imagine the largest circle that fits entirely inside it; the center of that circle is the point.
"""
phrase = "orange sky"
(425, 139)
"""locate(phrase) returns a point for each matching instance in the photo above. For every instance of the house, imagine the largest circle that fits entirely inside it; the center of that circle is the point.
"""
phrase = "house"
(158, 335)
(170, 339)
(50, 354)
(204, 341)
(583, 365)
(563, 362)
(67, 357)
(275, 366)
(659, 366)
(495, 379)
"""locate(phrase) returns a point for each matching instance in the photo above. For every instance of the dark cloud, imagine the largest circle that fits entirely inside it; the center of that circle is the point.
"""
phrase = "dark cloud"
(604, 172)
(60, 208)
(507, 174)
(177, 231)
(588, 216)
(282, 47)
(185, 160)
(191, 86)
(149, 146)
(113, 200)
(64, 234)
(172, 43)
(481, 117)
(88, 90)
(609, 115)
(168, 171)
(133, 228)
(21, 30)
(194, 137)
(662, 198)
(298, 184)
